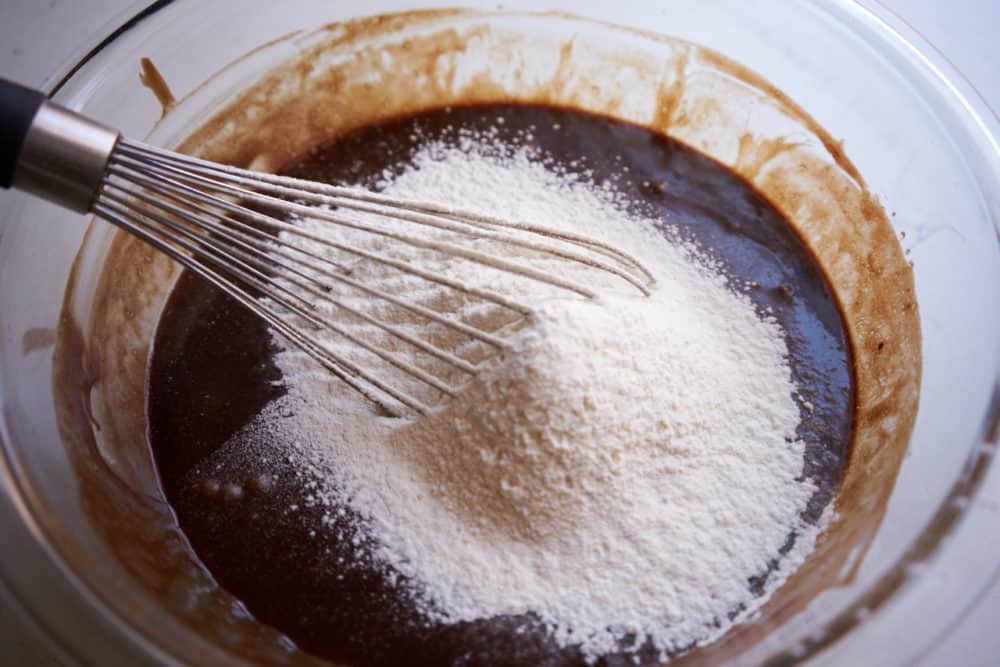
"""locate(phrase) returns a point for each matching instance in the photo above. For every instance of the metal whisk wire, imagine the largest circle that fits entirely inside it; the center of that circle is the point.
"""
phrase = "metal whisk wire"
(201, 215)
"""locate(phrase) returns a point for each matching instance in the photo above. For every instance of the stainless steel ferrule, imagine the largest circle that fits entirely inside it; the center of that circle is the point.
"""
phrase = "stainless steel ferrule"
(64, 157)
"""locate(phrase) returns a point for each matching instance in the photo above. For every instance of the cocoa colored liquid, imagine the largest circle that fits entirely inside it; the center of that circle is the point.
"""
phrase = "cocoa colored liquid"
(212, 372)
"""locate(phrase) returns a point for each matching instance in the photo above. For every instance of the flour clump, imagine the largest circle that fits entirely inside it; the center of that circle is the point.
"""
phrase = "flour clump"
(621, 472)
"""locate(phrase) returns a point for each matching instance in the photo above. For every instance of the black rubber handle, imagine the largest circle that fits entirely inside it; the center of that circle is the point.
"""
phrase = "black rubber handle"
(18, 106)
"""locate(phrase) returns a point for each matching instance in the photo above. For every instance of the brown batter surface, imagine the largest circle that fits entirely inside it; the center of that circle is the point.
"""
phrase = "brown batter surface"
(212, 372)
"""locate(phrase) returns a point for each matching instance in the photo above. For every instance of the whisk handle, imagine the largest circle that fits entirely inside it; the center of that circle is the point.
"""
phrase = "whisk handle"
(51, 151)
(18, 106)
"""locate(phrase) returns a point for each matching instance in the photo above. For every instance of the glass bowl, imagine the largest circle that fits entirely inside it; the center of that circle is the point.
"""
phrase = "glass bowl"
(925, 144)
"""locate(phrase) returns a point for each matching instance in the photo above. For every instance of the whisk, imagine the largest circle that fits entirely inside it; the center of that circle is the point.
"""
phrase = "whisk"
(232, 227)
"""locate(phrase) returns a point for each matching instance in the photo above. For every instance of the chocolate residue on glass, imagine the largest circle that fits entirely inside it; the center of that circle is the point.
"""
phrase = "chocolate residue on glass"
(367, 71)
(150, 77)
(37, 339)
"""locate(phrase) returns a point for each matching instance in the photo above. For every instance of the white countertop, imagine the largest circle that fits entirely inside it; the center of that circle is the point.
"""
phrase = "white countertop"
(37, 36)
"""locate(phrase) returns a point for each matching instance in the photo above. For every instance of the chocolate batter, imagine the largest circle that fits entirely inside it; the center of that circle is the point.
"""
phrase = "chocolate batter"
(212, 372)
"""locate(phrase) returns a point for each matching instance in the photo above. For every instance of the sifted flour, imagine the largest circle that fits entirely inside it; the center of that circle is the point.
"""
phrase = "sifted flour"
(622, 473)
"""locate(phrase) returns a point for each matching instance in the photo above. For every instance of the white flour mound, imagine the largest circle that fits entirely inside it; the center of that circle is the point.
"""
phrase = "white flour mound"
(622, 471)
